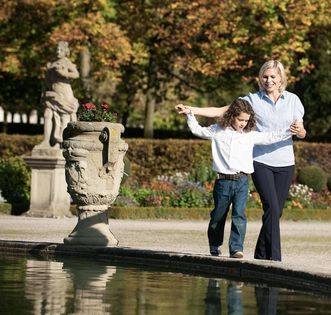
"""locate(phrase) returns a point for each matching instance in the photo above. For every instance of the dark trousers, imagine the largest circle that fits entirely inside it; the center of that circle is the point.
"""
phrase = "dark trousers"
(225, 193)
(272, 184)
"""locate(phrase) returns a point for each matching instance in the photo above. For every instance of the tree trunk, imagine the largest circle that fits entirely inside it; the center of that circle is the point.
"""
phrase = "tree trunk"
(85, 67)
(150, 100)
(5, 122)
(149, 116)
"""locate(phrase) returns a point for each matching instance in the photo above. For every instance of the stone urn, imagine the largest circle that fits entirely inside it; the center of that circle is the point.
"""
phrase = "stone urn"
(94, 153)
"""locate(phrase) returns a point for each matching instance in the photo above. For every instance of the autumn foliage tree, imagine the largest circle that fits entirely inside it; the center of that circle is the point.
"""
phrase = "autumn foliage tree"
(202, 44)
(147, 50)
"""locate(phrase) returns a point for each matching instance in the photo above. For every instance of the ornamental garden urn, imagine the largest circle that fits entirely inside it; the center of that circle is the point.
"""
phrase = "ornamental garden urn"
(94, 153)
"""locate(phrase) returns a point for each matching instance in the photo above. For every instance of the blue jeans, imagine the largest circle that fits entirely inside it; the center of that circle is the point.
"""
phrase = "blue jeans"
(227, 192)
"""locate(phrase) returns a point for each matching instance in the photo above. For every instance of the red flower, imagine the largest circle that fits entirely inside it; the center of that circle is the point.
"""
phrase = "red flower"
(105, 107)
(89, 106)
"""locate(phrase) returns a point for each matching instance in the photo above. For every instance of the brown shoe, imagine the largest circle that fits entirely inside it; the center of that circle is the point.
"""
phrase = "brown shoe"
(237, 254)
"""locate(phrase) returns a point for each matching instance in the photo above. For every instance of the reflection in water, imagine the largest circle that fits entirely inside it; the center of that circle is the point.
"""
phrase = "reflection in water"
(48, 284)
(213, 298)
(80, 286)
(89, 285)
(233, 298)
(235, 305)
(266, 300)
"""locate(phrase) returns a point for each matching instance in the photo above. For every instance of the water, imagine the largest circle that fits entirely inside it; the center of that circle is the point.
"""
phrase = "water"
(81, 286)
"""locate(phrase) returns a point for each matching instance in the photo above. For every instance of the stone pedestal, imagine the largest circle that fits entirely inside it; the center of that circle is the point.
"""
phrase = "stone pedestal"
(49, 196)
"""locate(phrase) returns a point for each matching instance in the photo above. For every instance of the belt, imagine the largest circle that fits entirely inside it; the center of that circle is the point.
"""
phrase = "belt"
(231, 176)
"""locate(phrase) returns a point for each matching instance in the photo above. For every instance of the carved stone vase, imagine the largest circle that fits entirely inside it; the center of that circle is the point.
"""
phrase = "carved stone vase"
(94, 153)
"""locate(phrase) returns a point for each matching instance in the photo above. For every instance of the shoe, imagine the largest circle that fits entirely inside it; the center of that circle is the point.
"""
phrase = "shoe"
(214, 251)
(237, 254)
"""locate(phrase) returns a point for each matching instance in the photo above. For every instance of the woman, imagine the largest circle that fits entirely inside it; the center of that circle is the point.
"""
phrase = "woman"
(275, 109)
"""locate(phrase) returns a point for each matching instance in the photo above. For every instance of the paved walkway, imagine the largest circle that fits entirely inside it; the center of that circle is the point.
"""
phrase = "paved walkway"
(306, 246)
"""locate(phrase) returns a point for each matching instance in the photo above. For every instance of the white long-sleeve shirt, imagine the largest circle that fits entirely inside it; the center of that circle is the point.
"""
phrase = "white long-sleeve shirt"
(232, 150)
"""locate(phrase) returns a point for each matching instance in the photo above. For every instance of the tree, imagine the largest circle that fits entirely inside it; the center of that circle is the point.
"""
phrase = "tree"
(208, 45)
(150, 52)
(315, 87)
(30, 31)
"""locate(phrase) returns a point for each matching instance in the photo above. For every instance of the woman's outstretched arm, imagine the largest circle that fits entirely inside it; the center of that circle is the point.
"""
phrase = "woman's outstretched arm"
(211, 112)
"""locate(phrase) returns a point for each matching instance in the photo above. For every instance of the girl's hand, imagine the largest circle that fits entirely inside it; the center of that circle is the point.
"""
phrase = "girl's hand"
(297, 129)
(183, 109)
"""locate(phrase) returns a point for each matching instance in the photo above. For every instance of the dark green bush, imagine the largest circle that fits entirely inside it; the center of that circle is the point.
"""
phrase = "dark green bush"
(313, 176)
(15, 183)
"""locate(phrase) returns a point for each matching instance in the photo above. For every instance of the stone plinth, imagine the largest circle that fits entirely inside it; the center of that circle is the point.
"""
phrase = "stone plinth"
(49, 196)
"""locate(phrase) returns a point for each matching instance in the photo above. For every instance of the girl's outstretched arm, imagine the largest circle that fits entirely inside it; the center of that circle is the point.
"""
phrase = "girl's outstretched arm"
(211, 112)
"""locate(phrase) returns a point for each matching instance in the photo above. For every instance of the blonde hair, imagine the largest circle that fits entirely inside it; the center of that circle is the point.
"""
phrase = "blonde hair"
(274, 64)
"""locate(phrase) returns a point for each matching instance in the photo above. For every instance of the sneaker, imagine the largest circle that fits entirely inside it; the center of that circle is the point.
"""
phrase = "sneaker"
(237, 254)
(214, 251)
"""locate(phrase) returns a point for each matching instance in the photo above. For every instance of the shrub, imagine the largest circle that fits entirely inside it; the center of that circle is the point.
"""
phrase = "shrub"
(15, 183)
(166, 191)
(314, 177)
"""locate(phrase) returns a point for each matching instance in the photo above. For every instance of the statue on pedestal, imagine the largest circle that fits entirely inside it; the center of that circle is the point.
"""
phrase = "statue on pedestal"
(57, 96)
(49, 196)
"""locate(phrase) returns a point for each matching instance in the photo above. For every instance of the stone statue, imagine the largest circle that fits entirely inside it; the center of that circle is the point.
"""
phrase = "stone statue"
(57, 96)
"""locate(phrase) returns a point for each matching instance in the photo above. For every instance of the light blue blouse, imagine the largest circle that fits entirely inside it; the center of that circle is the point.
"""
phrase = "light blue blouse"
(275, 117)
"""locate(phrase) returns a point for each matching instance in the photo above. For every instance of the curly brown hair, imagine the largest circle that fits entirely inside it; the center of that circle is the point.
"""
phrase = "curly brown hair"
(236, 108)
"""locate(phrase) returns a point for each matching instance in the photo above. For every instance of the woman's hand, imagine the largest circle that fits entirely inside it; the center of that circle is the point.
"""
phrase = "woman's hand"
(298, 129)
(183, 109)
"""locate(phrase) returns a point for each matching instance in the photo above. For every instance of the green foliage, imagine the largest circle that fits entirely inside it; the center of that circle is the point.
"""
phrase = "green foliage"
(136, 213)
(312, 154)
(253, 214)
(202, 173)
(314, 88)
(314, 177)
(15, 180)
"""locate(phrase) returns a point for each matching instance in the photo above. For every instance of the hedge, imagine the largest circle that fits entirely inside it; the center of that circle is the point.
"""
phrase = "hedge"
(151, 158)
(150, 213)
(253, 214)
